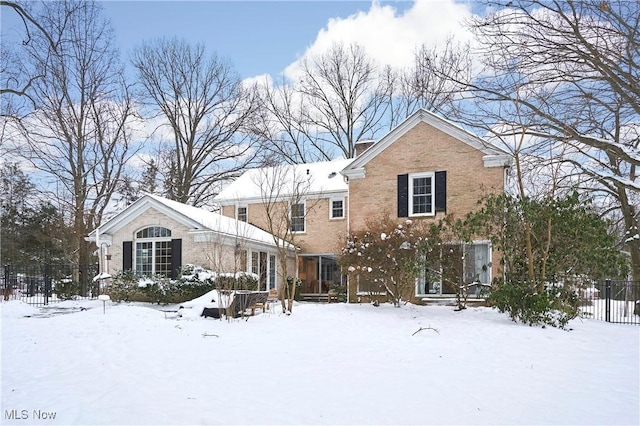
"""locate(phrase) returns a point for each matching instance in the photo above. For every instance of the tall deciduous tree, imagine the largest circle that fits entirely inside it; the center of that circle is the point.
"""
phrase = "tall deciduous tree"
(78, 134)
(568, 72)
(15, 82)
(336, 100)
(285, 199)
(426, 83)
(207, 109)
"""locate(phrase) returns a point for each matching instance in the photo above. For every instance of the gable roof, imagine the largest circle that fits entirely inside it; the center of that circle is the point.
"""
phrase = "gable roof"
(494, 157)
(322, 179)
(194, 218)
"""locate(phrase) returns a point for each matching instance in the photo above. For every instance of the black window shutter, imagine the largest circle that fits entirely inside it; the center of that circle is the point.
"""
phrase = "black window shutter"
(176, 257)
(403, 195)
(127, 255)
(441, 191)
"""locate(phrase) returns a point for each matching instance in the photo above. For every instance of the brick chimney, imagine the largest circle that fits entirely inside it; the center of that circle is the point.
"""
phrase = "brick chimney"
(362, 146)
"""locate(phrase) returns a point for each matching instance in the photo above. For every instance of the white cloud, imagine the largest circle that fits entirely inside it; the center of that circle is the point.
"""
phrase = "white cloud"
(389, 36)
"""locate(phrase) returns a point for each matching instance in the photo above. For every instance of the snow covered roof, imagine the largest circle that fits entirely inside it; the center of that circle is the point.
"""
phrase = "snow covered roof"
(195, 218)
(318, 179)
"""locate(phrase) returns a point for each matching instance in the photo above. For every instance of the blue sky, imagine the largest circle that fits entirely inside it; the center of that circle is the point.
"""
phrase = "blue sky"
(257, 36)
(267, 37)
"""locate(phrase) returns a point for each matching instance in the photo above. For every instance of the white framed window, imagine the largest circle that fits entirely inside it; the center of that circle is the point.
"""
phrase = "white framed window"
(336, 208)
(421, 194)
(153, 251)
(467, 263)
(241, 213)
(272, 272)
(264, 264)
(297, 213)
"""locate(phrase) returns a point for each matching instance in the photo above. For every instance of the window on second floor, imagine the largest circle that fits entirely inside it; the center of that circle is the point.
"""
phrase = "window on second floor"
(336, 208)
(297, 217)
(421, 194)
(242, 214)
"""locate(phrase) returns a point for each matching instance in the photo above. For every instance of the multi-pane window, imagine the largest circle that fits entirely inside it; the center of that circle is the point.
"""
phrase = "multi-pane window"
(297, 217)
(242, 214)
(144, 258)
(421, 194)
(459, 263)
(272, 271)
(153, 251)
(163, 258)
(154, 232)
(255, 262)
(337, 209)
(243, 260)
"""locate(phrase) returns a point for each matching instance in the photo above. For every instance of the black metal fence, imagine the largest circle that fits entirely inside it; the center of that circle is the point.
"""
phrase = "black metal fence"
(39, 284)
(612, 301)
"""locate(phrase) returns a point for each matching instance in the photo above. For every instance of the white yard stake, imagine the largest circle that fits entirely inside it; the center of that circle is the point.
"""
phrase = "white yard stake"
(104, 298)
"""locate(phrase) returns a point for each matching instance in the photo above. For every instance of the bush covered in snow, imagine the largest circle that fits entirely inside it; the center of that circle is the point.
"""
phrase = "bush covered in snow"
(387, 257)
(237, 281)
(554, 306)
(194, 281)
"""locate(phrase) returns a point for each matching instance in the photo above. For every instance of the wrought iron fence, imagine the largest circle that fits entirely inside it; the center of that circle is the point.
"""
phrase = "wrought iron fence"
(41, 284)
(612, 301)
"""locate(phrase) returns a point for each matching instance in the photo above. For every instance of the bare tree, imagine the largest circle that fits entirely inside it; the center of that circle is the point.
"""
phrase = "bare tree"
(567, 71)
(79, 134)
(207, 109)
(337, 100)
(282, 128)
(427, 83)
(285, 199)
(14, 83)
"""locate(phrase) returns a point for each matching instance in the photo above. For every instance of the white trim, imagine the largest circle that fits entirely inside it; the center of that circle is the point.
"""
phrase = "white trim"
(284, 198)
(202, 220)
(505, 160)
(331, 200)
(304, 217)
(413, 176)
(355, 170)
(153, 241)
(246, 212)
(354, 174)
(463, 244)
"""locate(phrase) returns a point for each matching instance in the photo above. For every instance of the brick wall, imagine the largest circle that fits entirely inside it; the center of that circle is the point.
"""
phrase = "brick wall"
(322, 234)
(422, 149)
(213, 252)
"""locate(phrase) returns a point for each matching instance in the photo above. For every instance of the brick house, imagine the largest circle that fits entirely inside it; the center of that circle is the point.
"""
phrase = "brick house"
(422, 169)
(155, 235)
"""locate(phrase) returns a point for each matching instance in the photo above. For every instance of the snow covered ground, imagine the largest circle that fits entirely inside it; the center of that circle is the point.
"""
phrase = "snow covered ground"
(325, 364)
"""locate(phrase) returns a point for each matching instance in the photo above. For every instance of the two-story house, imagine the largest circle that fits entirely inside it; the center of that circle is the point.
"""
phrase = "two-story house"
(424, 168)
(306, 204)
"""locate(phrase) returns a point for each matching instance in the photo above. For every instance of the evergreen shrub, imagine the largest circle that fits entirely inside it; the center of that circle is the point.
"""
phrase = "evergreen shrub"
(193, 282)
(554, 306)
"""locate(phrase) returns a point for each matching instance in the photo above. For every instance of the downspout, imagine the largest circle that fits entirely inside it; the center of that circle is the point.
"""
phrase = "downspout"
(100, 269)
(348, 233)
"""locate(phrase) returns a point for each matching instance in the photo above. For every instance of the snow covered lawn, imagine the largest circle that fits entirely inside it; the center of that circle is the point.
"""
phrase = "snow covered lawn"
(325, 364)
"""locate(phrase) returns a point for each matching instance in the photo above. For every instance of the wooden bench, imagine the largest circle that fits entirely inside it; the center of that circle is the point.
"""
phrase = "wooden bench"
(244, 300)
(332, 295)
(259, 300)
